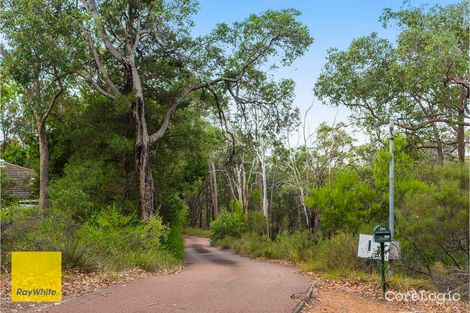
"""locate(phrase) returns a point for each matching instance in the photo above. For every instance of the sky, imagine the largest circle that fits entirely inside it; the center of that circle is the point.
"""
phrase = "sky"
(332, 23)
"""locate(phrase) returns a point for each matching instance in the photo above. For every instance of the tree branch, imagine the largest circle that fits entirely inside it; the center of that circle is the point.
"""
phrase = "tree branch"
(101, 68)
(90, 5)
(52, 102)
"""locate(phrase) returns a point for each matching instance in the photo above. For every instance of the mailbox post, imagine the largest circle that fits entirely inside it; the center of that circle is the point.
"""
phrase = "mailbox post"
(382, 235)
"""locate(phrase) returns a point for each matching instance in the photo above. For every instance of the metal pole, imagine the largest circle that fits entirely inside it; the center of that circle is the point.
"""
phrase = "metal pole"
(391, 216)
(382, 258)
(392, 183)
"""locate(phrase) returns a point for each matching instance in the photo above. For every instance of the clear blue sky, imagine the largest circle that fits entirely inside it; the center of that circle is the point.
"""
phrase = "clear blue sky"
(332, 23)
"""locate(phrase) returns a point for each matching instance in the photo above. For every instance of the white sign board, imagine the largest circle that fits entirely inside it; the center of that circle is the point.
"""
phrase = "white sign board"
(369, 249)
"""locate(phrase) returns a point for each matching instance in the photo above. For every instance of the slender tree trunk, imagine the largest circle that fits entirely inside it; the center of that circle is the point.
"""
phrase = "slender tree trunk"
(43, 167)
(262, 183)
(214, 189)
(461, 127)
(304, 207)
(200, 216)
(299, 217)
(239, 184)
(208, 206)
(439, 145)
(244, 191)
(317, 221)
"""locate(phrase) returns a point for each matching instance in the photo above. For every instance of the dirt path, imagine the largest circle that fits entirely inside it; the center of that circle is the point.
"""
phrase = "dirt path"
(212, 281)
(339, 302)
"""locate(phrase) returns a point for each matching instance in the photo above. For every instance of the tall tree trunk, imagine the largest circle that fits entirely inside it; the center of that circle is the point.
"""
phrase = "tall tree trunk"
(200, 216)
(439, 146)
(461, 127)
(317, 223)
(262, 182)
(143, 167)
(43, 167)
(304, 207)
(244, 191)
(239, 184)
(143, 164)
(208, 206)
(214, 189)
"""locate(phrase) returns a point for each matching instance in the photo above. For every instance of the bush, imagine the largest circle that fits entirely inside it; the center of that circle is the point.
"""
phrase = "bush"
(295, 247)
(336, 254)
(198, 232)
(108, 241)
(175, 242)
(228, 224)
(121, 241)
(257, 223)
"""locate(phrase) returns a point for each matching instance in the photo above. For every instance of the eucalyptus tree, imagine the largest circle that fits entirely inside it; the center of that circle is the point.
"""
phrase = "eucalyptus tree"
(39, 55)
(314, 163)
(433, 48)
(423, 80)
(261, 127)
(144, 51)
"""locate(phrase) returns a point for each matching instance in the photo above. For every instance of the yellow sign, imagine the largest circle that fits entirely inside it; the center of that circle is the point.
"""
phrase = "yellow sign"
(36, 276)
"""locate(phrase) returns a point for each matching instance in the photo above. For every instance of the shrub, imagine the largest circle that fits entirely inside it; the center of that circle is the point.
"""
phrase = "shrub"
(108, 241)
(339, 253)
(175, 241)
(198, 232)
(121, 241)
(86, 187)
(228, 224)
(255, 245)
(296, 247)
(257, 222)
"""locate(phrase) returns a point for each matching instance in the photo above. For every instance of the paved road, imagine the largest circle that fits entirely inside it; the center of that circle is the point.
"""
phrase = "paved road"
(212, 281)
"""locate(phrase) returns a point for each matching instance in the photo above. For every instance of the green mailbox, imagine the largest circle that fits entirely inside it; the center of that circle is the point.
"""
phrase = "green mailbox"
(382, 234)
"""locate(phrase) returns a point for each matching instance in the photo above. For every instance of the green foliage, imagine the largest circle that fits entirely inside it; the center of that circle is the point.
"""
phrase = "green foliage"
(175, 242)
(256, 222)
(414, 78)
(296, 247)
(228, 224)
(15, 153)
(107, 241)
(339, 253)
(198, 232)
(345, 204)
(433, 220)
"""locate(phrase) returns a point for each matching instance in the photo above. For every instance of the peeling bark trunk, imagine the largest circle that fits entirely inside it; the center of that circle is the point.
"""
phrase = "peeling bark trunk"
(143, 167)
(143, 164)
(43, 167)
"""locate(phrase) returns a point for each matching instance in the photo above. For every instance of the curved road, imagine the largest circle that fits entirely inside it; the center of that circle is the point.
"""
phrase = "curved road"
(213, 280)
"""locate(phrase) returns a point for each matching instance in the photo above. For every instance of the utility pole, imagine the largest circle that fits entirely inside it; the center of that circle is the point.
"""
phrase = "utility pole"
(391, 216)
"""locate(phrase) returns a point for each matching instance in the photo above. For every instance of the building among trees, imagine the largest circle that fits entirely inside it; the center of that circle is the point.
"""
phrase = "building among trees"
(17, 181)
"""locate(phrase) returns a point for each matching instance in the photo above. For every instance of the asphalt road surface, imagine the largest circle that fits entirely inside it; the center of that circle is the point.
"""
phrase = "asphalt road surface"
(213, 280)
